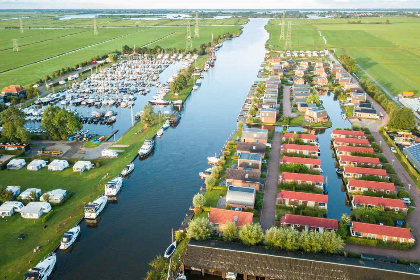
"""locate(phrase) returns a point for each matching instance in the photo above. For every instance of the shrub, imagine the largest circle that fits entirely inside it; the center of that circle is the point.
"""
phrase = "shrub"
(47, 216)
(251, 234)
(230, 232)
(199, 200)
(200, 229)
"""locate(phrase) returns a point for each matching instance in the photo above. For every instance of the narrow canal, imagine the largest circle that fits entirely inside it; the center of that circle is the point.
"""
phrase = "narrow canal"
(157, 195)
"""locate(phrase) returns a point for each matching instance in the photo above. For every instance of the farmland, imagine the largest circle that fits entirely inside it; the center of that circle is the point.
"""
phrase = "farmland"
(389, 52)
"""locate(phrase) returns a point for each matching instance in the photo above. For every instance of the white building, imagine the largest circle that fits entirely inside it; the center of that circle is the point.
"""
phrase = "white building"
(10, 207)
(109, 153)
(26, 195)
(81, 166)
(15, 190)
(58, 165)
(36, 164)
(16, 164)
(54, 196)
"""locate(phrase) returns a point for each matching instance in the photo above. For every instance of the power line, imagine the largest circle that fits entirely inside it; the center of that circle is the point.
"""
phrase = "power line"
(95, 28)
(21, 25)
(188, 43)
(15, 45)
(283, 23)
(196, 32)
(288, 44)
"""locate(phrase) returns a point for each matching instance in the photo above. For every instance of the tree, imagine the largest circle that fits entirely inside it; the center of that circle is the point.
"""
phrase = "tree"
(13, 122)
(314, 99)
(158, 269)
(5, 195)
(126, 49)
(251, 234)
(331, 242)
(240, 125)
(200, 229)
(310, 242)
(273, 238)
(113, 57)
(199, 200)
(210, 183)
(148, 117)
(59, 123)
(230, 232)
(291, 239)
(402, 118)
(215, 170)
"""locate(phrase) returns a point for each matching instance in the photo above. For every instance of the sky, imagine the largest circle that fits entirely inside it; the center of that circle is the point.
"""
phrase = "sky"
(209, 4)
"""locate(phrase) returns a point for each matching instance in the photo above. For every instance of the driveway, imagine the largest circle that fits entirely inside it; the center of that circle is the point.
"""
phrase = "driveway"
(268, 213)
(287, 106)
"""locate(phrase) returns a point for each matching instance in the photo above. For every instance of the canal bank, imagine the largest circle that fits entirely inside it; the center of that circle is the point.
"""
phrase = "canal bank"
(159, 192)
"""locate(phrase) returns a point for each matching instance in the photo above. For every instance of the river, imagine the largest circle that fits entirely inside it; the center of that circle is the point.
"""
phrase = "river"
(157, 195)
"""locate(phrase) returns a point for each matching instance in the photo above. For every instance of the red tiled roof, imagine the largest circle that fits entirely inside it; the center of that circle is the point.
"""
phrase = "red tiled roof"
(300, 147)
(13, 88)
(360, 159)
(309, 221)
(352, 141)
(302, 177)
(355, 149)
(378, 201)
(382, 230)
(303, 196)
(348, 132)
(300, 160)
(223, 216)
(301, 136)
(365, 171)
(372, 185)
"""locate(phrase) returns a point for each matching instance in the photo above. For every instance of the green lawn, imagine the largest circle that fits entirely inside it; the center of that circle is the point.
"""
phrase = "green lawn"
(212, 197)
(17, 256)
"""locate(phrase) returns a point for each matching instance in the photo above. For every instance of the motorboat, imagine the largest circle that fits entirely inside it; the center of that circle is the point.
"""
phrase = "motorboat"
(159, 102)
(204, 174)
(177, 102)
(181, 276)
(170, 250)
(128, 169)
(213, 160)
(198, 82)
(111, 119)
(69, 237)
(174, 119)
(339, 171)
(147, 147)
(93, 209)
(42, 270)
(166, 125)
(159, 133)
(195, 87)
(113, 187)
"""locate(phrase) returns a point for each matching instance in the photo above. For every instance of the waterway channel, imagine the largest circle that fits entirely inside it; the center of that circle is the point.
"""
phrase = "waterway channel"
(157, 195)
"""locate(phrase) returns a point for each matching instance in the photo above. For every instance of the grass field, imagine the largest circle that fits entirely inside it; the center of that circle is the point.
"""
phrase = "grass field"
(78, 45)
(16, 256)
(389, 52)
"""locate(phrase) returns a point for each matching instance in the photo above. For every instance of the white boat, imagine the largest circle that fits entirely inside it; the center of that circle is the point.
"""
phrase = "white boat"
(181, 276)
(213, 160)
(69, 237)
(195, 87)
(159, 102)
(159, 133)
(93, 209)
(113, 187)
(147, 147)
(128, 169)
(170, 250)
(123, 104)
(42, 270)
(109, 114)
(204, 174)
(166, 125)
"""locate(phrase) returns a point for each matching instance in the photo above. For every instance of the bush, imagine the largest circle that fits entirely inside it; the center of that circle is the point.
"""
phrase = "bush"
(251, 234)
(47, 216)
(230, 232)
(200, 229)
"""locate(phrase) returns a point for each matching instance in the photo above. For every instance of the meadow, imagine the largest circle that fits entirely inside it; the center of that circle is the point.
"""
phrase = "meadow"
(388, 52)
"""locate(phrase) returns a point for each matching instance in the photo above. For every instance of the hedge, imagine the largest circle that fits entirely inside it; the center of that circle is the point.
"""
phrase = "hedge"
(378, 243)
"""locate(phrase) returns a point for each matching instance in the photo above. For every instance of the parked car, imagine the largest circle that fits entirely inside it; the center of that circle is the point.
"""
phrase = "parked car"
(231, 276)
(393, 150)
(406, 200)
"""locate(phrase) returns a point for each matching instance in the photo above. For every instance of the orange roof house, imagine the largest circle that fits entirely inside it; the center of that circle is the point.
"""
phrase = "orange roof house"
(222, 217)
(13, 90)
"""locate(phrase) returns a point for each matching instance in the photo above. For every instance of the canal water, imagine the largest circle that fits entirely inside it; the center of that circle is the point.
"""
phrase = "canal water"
(157, 195)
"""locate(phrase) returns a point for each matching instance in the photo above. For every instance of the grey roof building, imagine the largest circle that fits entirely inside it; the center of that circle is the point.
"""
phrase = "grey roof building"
(240, 196)
(252, 148)
(413, 155)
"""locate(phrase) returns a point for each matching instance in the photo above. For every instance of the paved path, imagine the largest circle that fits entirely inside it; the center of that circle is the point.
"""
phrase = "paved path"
(268, 213)
(287, 106)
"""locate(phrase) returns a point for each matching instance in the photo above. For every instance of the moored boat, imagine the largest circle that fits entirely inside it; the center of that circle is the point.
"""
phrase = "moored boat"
(128, 169)
(42, 270)
(147, 147)
(170, 250)
(166, 125)
(159, 133)
(113, 187)
(159, 102)
(204, 174)
(69, 237)
(93, 209)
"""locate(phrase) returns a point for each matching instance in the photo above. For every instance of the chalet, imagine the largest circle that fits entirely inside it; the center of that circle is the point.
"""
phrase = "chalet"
(307, 223)
(380, 232)
(306, 138)
(302, 100)
(319, 71)
(350, 86)
(301, 88)
(268, 115)
(359, 161)
(344, 80)
(304, 106)
(250, 148)
(300, 178)
(311, 163)
(365, 113)
(347, 150)
(342, 74)
(301, 149)
(294, 199)
(300, 73)
(249, 162)
(305, 64)
(350, 142)
(241, 197)
(335, 68)
(13, 90)
(271, 101)
(351, 172)
(221, 217)
(360, 186)
(358, 97)
(388, 204)
(337, 133)
(277, 70)
(274, 61)
(243, 178)
(316, 115)
(297, 80)
(320, 81)
(254, 135)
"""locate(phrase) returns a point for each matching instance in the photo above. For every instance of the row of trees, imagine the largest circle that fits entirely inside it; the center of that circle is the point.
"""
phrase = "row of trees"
(287, 238)
(348, 63)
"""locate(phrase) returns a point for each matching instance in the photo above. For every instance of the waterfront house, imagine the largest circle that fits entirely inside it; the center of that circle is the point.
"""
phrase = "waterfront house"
(350, 86)
(249, 162)
(338, 133)
(81, 166)
(58, 165)
(307, 223)
(277, 70)
(270, 94)
(350, 142)
(294, 199)
(381, 232)
(302, 100)
(343, 80)
(360, 186)
(319, 71)
(300, 73)
(311, 163)
(342, 74)
(268, 115)
(300, 97)
(36, 164)
(305, 64)
(306, 138)
(274, 78)
(30, 194)
(242, 197)
(300, 178)
(221, 217)
(320, 81)
(16, 164)
(359, 161)
(358, 97)
(365, 113)
(54, 196)
(297, 80)
(320, 64)
(14, 190)
(308, 150)
(347, 150)
(250, 148)
(254, 135)
(8, 208)
(13, 91)
(316, 115)
(274, 61)
(270, 102)
(351, 172)
(303, 106)
(388, 204)
(243, 178)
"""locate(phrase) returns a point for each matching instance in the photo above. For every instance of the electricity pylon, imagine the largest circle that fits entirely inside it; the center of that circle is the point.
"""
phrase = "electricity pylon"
(21, 25)
(196, 32)
(188, 43)
(15, 45)
(95, 28)
(288, 44)
(283, 24)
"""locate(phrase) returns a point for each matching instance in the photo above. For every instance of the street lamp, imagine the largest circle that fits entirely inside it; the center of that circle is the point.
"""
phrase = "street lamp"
(393, 161)
(409, 187)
